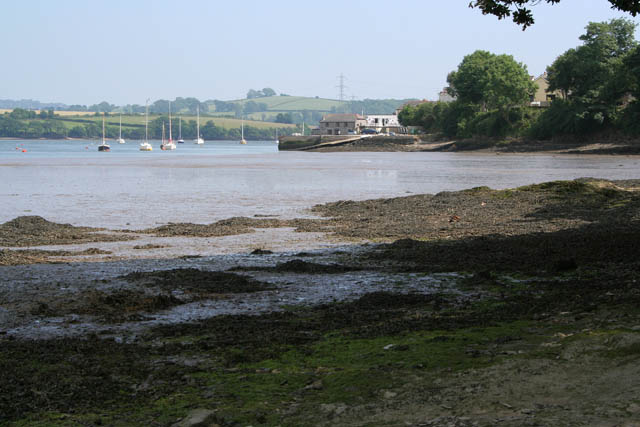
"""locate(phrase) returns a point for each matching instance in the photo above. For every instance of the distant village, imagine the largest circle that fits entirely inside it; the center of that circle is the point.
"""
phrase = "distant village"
(356, 124)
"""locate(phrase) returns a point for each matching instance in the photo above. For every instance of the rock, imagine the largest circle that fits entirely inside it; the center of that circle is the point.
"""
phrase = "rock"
(198, 418)
(333, 408)
(634, 408)
(388, 347)
(316, 385)
(390, 394)
(261, 252)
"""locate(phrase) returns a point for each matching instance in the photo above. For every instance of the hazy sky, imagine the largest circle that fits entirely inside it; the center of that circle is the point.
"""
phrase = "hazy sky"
(124, 51)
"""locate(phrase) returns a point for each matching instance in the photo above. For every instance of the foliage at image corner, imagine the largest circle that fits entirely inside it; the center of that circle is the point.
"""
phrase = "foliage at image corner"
(599, 82)
(522, 15)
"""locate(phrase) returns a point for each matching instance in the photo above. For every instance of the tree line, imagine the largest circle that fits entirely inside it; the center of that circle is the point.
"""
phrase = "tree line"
(30, 125)
(598, 83)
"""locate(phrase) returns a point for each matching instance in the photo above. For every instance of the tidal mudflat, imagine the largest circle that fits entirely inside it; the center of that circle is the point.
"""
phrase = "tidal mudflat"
(474, 307)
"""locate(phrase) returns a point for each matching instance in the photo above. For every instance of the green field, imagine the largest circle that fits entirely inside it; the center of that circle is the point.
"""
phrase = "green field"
(295, 103)
(138, 120)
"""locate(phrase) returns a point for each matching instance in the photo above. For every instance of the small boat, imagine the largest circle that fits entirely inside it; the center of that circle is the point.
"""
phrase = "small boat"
(104, 146)
(120, 140)
(198, 140)
(170, 145)
(162, 144)
(242, 140)
(145, 146)
(180, 140)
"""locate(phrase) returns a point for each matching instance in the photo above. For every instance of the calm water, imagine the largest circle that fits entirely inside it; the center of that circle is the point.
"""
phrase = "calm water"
(71, 182)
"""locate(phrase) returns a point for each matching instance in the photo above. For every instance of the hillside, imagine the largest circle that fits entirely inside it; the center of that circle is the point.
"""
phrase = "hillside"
(294, 103)
(64, 124)
(138, 121)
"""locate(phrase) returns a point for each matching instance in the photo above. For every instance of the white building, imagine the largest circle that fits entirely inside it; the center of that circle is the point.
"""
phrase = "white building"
(444, 96)
(384, 123)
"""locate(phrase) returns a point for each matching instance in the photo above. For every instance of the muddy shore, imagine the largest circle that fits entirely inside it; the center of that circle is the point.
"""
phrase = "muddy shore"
(471, 308)
(616, 144)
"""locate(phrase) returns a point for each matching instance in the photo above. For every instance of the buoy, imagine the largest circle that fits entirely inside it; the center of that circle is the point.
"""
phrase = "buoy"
(24, 151)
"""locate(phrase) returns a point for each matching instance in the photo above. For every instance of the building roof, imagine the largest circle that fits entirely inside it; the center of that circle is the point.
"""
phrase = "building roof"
(342, 118)
(541, 76)
(414, 103)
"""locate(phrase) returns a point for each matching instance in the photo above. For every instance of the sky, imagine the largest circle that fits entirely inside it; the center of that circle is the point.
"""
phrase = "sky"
(125, 51)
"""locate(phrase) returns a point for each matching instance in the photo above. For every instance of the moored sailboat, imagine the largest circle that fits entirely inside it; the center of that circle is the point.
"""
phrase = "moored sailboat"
(120, 140)
(104, 146)
(198, 140)
(145, 146)
(180, 140)
(170, 145)
(242, 140)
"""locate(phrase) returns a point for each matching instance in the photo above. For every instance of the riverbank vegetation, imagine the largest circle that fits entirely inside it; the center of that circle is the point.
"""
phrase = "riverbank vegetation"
(596, 88)
(21, 123)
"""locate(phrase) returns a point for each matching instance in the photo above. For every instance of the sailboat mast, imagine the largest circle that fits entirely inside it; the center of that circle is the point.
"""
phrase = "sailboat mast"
(120, 134)
(146, 121)
(198, 123)
(170, 138)
(180, 129)
(102, 128)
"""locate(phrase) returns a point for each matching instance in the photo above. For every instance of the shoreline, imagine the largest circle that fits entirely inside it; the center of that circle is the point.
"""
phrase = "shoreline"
(606, 145)
(500, 303)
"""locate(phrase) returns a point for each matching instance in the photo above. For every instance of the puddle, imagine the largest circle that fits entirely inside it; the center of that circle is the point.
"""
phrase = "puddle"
(21, 286)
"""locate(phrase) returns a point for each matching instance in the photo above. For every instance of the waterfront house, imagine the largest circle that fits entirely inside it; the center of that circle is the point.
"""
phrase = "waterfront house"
(445, 96)
(543, 98)
(341, 124)
(384, 123)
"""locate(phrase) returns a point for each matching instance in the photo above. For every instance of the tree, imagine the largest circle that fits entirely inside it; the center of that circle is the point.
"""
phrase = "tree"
(492, 82)
(284, 118)
(522, 15)
(594, 76)
(254, 107)
(254, 94)
(267, 91)
(103, 107)
(223, 106)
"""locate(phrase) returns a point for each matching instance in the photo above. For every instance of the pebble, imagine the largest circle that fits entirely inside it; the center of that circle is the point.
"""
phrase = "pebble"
(198, 417)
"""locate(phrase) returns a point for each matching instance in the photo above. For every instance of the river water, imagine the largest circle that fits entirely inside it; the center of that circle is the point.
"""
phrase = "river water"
(71, 182)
